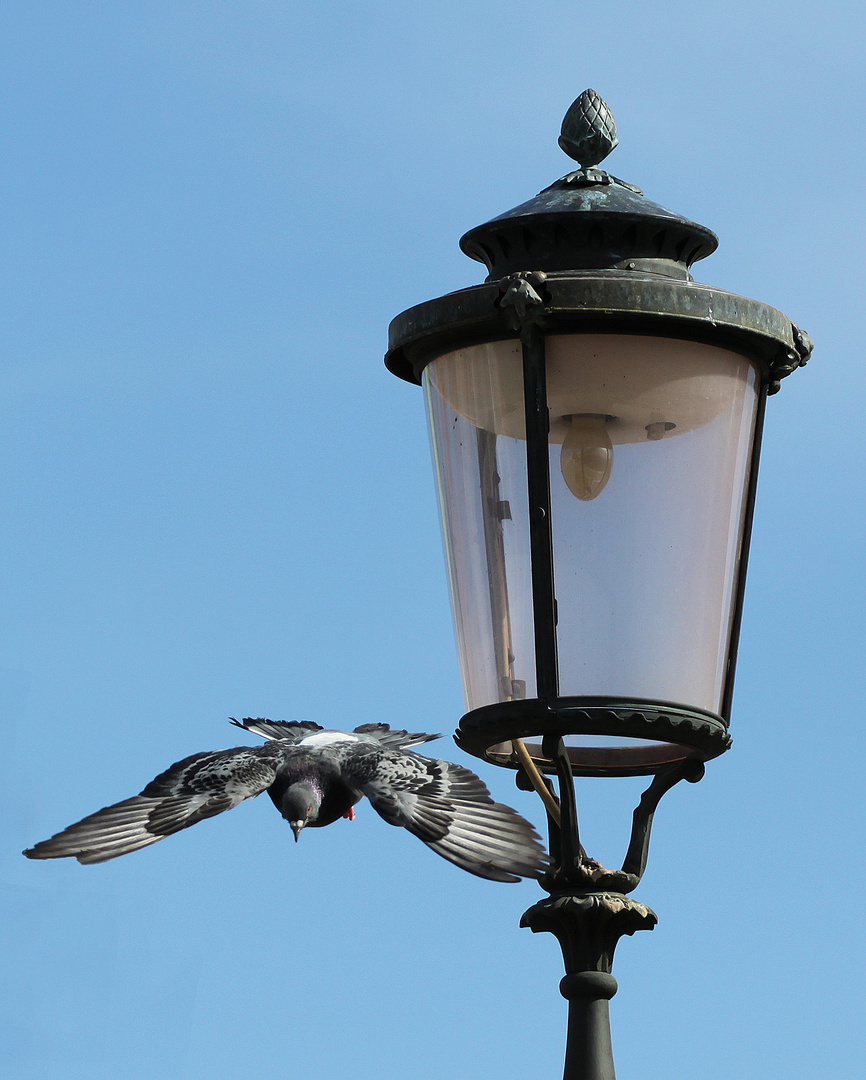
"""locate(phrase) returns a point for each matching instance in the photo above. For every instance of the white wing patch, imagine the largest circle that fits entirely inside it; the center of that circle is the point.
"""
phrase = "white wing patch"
(329, 738)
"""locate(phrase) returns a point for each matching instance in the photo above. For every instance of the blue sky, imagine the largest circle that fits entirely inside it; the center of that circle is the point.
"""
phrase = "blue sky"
(218, 502)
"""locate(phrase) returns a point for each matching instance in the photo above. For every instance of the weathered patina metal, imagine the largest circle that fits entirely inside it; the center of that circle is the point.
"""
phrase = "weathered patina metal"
(691, 733)
(599, 301)
(588, 129)
(588, 928)
(589, 222)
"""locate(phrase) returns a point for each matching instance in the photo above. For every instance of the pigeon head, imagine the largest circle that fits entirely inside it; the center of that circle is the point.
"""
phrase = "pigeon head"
(300, 805)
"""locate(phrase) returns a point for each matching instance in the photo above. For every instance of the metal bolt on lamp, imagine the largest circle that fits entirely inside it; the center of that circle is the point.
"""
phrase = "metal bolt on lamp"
(595, 418)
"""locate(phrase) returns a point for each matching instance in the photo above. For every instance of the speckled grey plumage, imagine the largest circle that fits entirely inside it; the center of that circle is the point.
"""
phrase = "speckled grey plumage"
(314, 776)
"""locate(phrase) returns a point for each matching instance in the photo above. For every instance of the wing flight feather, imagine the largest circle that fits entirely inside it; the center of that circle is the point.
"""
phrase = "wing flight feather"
(189, 791)
(450, 810)
(277, 729)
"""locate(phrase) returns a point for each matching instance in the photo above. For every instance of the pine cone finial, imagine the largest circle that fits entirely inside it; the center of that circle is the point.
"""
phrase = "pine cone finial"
(588, 130)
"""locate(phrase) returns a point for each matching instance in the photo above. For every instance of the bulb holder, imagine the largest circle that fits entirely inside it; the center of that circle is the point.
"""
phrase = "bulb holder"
(586, 458)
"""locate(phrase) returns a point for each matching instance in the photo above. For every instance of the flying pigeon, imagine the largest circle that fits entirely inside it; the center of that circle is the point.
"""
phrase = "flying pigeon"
(315, 776)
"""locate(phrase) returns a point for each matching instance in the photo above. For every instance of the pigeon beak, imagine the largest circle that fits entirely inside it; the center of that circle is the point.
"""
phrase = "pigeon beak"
(296, 828)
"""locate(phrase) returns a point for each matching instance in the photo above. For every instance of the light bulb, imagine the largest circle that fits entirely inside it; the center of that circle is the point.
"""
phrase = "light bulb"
(587, 456)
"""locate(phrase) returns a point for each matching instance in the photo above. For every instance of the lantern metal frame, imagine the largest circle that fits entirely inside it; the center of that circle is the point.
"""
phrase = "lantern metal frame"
(590, 255)
(530, 305)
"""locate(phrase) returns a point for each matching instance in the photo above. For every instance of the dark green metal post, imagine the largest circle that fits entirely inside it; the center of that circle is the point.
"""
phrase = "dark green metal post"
(588, 926)
(588, 911)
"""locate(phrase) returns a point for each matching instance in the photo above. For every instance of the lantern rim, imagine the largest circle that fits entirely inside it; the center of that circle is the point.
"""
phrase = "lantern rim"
(677, 731)
(599, 301)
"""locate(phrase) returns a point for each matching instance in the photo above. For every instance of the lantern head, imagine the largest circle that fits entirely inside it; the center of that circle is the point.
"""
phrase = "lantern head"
(595, 418)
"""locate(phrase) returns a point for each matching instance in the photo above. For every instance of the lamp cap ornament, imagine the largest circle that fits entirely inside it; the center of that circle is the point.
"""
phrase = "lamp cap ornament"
(589, 220)
(588, 130)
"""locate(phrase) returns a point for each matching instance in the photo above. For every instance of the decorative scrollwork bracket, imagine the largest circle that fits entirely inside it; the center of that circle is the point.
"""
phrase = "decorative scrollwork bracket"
(790, 359)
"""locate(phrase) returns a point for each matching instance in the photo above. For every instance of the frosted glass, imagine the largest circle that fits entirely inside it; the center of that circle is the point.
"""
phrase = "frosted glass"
(645, 572)
(481, 478)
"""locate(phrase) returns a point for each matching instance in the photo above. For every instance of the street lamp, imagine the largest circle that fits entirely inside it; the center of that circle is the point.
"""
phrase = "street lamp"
(595, 418)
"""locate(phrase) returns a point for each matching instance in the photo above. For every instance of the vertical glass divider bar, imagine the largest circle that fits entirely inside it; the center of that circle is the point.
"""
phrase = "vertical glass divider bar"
(543, 587)
(540, 527)
(494, 511)
(749, 511)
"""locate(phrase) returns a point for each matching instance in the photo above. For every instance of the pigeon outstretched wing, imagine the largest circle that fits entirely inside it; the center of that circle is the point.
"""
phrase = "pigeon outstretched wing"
(195, 788)
(450, 809)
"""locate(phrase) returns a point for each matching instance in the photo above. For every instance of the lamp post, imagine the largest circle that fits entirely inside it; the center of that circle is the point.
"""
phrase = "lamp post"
(595, 418)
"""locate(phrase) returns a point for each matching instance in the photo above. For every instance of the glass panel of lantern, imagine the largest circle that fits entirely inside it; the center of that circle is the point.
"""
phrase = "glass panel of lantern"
(650, 447)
